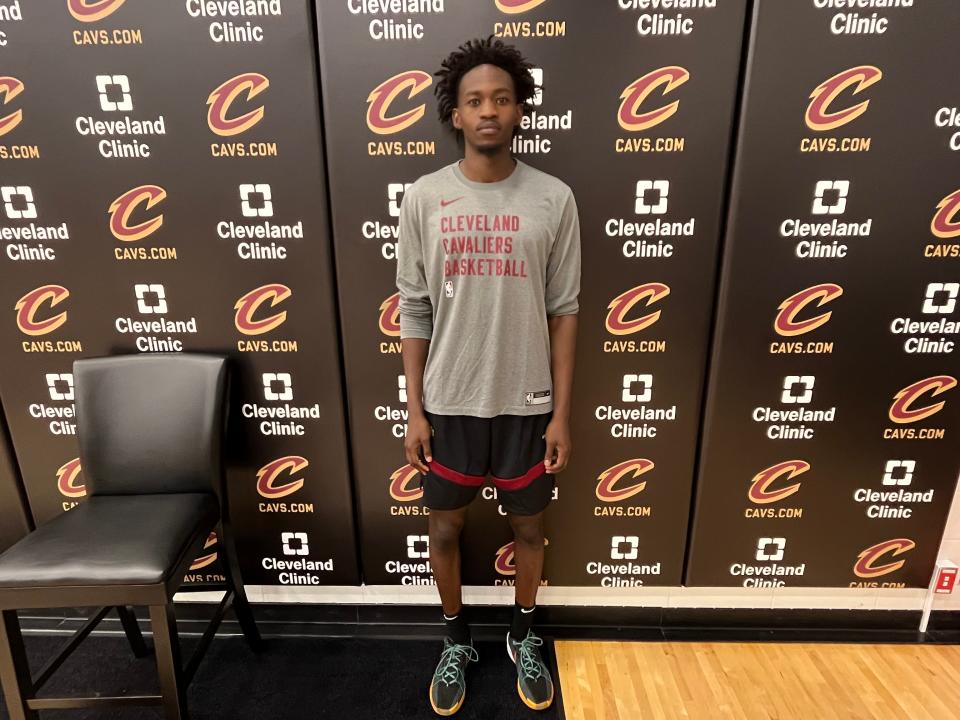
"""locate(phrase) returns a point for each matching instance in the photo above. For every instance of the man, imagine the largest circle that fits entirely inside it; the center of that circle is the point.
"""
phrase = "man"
(488, 269)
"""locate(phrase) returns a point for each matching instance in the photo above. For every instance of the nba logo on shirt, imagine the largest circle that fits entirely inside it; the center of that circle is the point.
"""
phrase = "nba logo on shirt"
(448, 288)
(536, 398)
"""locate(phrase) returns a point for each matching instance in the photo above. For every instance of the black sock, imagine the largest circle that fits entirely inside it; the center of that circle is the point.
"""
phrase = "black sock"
(522, 621)
(457, 628)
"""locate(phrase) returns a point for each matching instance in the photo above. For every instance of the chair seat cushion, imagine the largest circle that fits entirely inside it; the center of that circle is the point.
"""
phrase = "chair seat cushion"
(110, 540)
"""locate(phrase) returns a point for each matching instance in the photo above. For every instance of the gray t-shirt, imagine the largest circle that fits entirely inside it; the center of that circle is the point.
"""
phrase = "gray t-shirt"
(480, 266)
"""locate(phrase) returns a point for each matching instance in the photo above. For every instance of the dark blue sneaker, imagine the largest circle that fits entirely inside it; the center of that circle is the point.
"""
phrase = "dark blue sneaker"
(449, 685)
(533, 678)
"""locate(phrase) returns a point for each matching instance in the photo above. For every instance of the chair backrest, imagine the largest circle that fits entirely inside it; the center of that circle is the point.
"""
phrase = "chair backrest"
(150, 424)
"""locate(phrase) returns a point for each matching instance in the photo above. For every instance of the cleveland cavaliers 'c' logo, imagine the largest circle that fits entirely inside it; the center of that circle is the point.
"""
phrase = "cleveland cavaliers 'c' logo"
(221, 100)
(786, 322)
(390, 316)
(517, 6)
(10, 87)
(269, 484)
(946, 223)
(403, 484)
(629, 115)
(92, 10)
(867, 562)
(820, 116)
(67, 484)
(29, 306)
(504, 561)
(124, 206)
(379, 119)
(248, 305)
(618, 308)
(760, 491)
(204, 560)
(623, 473)
(902, 410)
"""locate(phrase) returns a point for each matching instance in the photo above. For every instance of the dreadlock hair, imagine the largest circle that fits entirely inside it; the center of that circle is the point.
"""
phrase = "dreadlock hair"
(482, 52)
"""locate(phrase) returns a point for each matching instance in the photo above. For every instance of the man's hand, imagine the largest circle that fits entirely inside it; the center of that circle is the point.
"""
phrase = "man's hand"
(558, 445)
(418, 436)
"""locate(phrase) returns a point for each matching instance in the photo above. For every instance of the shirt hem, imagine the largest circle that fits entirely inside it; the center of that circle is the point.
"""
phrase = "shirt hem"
(487, 413)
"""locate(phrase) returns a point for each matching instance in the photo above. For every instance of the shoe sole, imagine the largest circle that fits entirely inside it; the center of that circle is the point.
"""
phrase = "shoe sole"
(526, 701)
(451, 711)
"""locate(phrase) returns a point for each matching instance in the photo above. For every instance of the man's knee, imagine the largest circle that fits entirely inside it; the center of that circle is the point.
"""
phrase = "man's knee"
(445, 529)
(528, 530)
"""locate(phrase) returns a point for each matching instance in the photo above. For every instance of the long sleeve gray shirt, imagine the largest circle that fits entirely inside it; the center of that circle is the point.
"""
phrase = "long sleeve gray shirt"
(480, 267)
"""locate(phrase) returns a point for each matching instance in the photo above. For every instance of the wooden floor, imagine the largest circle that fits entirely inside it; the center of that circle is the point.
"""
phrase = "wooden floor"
(709, 681)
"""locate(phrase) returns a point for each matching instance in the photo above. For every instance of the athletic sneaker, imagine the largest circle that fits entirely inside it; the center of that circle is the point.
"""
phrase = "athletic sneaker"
(533, 679)
(449, 685)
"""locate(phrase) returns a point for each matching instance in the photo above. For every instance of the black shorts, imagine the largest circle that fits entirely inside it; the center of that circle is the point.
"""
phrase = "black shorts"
(508, 447)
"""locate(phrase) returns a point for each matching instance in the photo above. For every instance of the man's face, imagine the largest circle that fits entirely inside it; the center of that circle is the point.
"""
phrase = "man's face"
(487, 108)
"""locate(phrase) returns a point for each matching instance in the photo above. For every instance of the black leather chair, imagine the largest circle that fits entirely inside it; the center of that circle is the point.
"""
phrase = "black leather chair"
(151, 432)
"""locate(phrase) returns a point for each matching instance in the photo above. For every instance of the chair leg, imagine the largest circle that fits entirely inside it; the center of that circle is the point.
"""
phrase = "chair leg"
(166, 644)
(241, 606)
(14, 669)
(129, 621)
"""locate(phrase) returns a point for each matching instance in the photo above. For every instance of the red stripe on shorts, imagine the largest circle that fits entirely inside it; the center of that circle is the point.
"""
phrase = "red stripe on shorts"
(454, 476)
(521, 481)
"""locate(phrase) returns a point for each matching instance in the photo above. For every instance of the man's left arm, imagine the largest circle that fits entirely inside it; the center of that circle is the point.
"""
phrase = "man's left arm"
(562, 304)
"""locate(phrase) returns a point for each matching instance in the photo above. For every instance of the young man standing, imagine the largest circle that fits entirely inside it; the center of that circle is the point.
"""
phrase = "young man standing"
(488, 269)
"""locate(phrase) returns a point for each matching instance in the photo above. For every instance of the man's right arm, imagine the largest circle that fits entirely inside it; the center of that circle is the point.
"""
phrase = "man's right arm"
(416, 329)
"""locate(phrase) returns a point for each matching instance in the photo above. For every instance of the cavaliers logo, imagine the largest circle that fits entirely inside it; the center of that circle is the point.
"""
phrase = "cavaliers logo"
(404, 484)
(221, 100)
(870, 562)
(249, 304)
(504, 562)
(204, 560)
(666, 79)
(10, 87)
(902, 410)
(517, 6)
(786, 322)
(625, 473)
(390, 316)
(124, 206)
(760, 491)
(820, 116)
(67, 475)
(945, 224)
(92, 10)
(379, 119)
(618, 308)
(269, 484)
(28, 307)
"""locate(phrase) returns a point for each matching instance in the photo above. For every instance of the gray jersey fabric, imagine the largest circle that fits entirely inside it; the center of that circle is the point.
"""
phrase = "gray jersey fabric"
(480, 266)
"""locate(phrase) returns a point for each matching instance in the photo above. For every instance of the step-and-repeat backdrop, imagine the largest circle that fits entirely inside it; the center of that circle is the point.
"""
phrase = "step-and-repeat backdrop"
(163, 190)
(635, 113)
(830, 451)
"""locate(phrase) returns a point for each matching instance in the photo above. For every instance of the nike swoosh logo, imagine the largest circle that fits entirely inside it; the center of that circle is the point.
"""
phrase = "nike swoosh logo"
(444, 203)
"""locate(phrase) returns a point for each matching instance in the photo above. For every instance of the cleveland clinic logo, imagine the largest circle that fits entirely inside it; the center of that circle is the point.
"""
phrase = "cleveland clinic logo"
(250, 319)
(380, 113)
(10, 87)
(222, 118)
